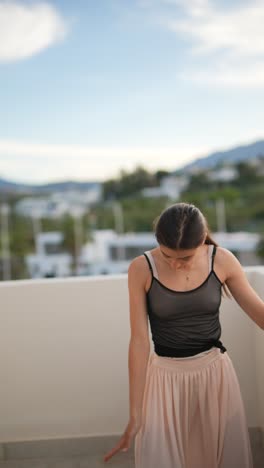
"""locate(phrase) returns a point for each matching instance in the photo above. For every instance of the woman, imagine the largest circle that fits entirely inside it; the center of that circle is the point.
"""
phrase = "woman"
(186, 409)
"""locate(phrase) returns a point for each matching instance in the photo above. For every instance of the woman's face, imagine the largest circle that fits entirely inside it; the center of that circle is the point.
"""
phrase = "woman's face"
(178, 259)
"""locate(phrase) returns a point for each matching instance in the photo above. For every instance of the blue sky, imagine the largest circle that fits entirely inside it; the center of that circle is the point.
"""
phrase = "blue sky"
(90, 87)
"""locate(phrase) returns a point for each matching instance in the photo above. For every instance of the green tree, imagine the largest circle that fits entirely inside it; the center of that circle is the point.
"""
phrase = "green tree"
(128, 183)
(260, 248)
(247, 174)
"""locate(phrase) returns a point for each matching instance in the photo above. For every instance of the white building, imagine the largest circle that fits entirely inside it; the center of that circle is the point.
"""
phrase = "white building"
(223, 174)
(174, 185)
(242, 244)
(153, 192)
(49, 259)
(60, 203)
(111, 253)
(170, 186)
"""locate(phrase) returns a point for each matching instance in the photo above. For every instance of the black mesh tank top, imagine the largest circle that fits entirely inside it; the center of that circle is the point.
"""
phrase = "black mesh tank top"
(185, 323)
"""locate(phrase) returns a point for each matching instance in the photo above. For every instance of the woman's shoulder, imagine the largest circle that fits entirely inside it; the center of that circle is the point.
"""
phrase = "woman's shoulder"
(138, 271)
(139, 263)
(225, 260)
(223, 253)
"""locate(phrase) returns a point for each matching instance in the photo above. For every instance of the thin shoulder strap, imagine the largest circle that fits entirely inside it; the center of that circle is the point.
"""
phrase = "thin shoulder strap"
(151, 263)
(213, 257)
(210, 253)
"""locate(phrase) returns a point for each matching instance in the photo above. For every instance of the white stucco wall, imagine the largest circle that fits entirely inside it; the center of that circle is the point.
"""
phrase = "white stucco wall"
(64, 356)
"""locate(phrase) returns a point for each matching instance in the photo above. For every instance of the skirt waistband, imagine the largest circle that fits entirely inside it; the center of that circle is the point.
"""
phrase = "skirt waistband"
(194, 363)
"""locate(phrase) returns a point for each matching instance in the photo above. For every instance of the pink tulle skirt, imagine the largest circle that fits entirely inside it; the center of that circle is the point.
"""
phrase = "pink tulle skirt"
(193, 414)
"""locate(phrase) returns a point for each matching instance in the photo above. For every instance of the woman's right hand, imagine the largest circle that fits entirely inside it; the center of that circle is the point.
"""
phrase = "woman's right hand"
(126, 439)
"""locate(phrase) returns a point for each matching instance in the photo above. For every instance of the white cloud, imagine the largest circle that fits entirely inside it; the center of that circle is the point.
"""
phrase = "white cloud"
(226, 74)
(26, 29)
(40, 162)
(239, 31)
(230, 41)
(62, 150)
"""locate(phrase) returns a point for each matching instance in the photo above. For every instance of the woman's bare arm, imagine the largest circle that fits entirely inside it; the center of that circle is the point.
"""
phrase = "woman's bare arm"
(241, 289)
(139, 346)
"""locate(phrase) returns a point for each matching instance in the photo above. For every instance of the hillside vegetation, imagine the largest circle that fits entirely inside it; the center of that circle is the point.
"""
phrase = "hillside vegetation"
(243, 198)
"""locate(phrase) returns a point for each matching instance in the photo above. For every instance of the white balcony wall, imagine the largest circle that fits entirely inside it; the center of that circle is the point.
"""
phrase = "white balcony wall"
(64, 356)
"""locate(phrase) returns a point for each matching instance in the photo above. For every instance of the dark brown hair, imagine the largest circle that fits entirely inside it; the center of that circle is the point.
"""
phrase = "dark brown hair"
(183, 226)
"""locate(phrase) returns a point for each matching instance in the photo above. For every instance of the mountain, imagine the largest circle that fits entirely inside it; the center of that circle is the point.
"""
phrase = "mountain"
(8, 186)
(14, 187)
(234, 155)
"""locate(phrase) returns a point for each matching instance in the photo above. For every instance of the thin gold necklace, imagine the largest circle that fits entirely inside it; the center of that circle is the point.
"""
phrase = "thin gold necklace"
(187, 277)
(188, 274)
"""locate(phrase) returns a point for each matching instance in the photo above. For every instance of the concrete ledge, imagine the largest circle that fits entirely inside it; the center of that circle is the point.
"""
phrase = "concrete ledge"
(256, 435)
(49, 448)
(90, 446)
